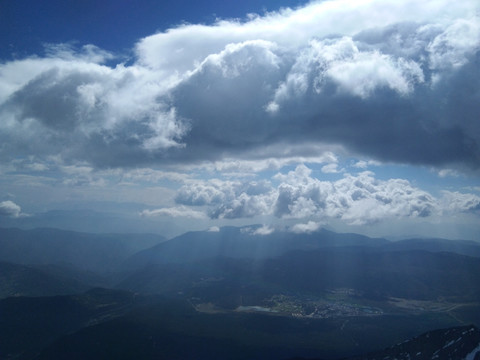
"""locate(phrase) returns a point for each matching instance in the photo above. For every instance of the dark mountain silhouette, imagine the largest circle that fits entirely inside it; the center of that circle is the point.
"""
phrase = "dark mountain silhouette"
(452, 343)
(28, 324)
(456, 343)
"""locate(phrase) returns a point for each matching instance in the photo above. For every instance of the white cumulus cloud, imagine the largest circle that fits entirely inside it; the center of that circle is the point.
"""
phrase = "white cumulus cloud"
(355, 199)
(9, 209)
(174, 212)
(308, 227)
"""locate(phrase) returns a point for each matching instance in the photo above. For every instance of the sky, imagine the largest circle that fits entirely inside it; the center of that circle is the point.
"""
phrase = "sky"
(147, 116)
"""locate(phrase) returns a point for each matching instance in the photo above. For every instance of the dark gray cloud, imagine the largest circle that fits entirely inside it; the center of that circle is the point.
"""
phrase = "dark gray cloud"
(88, 112)
(389, 108)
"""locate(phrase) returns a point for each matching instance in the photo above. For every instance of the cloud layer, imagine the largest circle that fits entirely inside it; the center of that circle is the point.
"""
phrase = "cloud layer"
(396, 81)
(355, 199)
(10, 209)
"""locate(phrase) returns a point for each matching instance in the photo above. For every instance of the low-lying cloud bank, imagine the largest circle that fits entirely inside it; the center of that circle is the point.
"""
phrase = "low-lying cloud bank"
(355, 199)
(10, 209)
(395, 81)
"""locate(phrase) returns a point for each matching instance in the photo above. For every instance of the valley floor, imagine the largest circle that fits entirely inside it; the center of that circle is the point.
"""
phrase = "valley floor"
(339, 303)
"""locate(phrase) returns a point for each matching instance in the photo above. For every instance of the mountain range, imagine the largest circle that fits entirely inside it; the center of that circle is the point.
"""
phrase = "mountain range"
(232, 293)
(86, 251)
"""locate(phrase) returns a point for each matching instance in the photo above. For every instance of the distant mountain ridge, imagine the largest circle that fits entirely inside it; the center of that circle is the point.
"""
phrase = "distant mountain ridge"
(234, 242)
(462, 247)
(21, 280)
(235, 263)
(95, 252)
(105, 252)
(418, 268)
(243, 242)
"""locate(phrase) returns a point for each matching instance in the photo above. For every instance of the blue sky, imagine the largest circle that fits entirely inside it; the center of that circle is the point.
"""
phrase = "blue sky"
(166, 117)
(26, 25)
